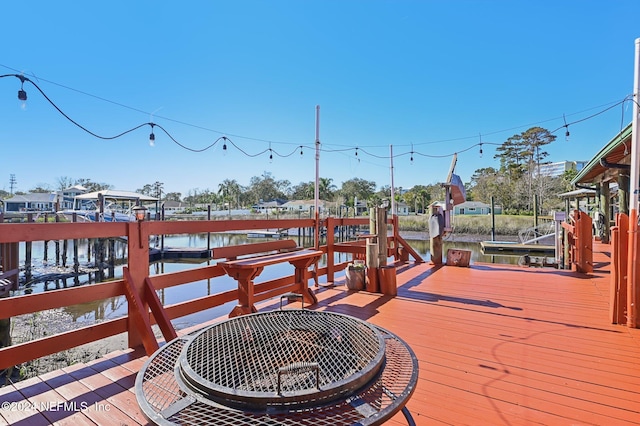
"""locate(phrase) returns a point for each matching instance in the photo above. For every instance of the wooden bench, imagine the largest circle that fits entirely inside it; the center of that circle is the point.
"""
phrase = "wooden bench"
(233, 252)
(246, 269)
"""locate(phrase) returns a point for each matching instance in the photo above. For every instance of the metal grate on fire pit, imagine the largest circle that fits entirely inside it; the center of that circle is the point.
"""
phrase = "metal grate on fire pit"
(279, 367)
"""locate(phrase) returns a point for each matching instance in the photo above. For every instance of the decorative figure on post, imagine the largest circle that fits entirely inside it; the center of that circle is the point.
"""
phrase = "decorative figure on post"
(436, 231)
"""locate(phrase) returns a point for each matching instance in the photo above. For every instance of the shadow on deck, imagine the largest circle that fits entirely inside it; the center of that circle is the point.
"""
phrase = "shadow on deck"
(497, 345)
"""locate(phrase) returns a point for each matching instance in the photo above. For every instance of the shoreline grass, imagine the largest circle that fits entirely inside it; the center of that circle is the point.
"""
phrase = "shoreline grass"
(472, 224)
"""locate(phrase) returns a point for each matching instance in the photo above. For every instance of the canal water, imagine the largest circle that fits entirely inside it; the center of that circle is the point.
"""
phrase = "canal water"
(90, 313)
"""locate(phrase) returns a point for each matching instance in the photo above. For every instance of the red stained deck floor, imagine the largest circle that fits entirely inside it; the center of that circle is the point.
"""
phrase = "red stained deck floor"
(497, 345)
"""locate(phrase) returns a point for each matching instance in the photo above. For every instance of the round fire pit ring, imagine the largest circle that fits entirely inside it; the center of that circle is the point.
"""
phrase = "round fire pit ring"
(279, 367)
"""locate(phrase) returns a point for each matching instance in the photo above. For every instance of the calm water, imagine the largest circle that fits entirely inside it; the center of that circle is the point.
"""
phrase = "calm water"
(117, 307)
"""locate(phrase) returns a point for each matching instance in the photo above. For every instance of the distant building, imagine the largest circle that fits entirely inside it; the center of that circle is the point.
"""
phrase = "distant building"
(32, 202)
(302, 206)
(475, 207)
(66, 196)
(268, 206)
(402, 209)
(558, 168)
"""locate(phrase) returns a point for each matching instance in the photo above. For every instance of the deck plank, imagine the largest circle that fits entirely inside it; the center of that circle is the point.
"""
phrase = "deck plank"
(51, 404)
(496, 344)
(112, 393)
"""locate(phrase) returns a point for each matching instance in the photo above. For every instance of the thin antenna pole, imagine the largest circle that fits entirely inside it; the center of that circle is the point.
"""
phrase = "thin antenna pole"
(635, 141)
(316, 205)
(393, 191)
(632, 252)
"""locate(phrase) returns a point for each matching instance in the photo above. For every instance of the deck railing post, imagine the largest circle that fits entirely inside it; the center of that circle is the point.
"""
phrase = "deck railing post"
(331, 223)
(138, 254)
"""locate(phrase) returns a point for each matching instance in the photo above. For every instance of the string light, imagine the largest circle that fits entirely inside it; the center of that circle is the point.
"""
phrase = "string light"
(152, 137)
(480, 134)
(566, 126)
(22, 96)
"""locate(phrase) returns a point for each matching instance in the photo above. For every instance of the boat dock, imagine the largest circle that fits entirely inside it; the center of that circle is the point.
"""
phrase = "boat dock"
(179, 253)
(496, 345)
(507, 248)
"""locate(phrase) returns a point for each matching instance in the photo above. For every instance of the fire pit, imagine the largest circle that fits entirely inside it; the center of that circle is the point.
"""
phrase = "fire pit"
(286, 367)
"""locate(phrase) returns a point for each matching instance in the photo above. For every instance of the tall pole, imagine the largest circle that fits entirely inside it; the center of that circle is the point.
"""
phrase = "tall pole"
(394, 215)
(632, 269)
(393, 190)
(635, 137)
(316, 203)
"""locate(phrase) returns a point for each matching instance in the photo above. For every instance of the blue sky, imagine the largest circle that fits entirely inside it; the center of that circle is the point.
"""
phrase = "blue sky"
(433, 77)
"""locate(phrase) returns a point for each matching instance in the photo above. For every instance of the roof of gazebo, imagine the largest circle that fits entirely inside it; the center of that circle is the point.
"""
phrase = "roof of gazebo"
(617, 151)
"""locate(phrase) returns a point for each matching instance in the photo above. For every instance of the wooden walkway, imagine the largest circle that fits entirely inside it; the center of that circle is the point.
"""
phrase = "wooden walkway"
(497, 345)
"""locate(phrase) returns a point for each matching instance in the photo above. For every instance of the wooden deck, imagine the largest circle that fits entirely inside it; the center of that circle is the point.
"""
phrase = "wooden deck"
(497, 345)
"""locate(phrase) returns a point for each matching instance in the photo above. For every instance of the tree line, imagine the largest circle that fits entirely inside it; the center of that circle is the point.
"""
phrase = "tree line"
(514, 184)
(520, 180)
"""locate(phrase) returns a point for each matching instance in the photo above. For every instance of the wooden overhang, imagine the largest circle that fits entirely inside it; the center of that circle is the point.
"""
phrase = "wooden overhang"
(617, 151)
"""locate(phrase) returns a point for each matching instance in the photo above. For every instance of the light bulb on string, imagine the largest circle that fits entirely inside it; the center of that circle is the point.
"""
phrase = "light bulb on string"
(411, 158)
(152, 137)
(300, 151)
(357, 158)
(480, 150)
(22, 96)
(224, 146)
(566, 126)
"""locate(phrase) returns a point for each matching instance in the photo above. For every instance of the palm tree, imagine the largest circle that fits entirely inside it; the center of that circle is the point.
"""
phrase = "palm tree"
(229, 190)
(326, 189)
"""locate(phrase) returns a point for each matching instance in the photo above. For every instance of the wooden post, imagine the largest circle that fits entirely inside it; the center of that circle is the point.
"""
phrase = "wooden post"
(618, 290)
(27, 258)
(372, 267)
(604, 205)
(632, 268)
(76, 260)
(381, 231)
(566, 252)
(5, 336)
(10, 254)
(623, 193)
(138, 249)
(373, 217)
(331, 223)
(388, 282)
(493, 219)
(584, 242)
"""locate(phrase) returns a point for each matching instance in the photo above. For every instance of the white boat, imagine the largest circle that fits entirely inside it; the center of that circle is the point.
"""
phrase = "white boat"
(116, 206)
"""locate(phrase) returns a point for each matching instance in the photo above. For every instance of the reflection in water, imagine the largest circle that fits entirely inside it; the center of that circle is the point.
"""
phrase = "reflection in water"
(422, 247)
(116, 307)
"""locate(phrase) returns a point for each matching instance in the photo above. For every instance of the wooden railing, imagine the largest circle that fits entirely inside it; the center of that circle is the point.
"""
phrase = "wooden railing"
(580, 241)
(137, 235)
